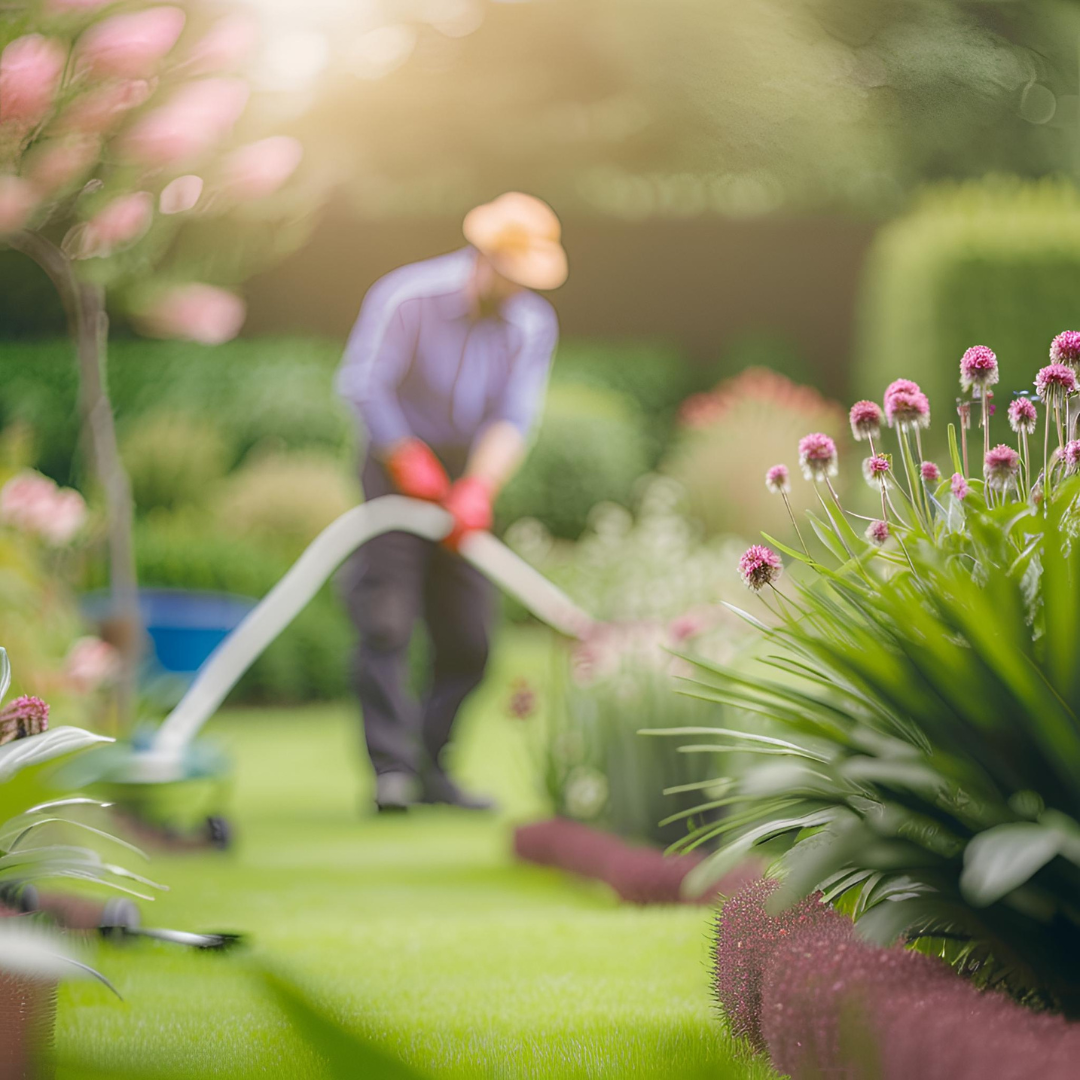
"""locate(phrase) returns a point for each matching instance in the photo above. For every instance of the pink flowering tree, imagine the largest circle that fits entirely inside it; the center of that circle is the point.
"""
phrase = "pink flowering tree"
(118, 160)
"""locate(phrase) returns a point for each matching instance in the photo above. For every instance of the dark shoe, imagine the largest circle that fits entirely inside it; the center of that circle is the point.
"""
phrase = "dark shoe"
(439, 788)
(395, 792)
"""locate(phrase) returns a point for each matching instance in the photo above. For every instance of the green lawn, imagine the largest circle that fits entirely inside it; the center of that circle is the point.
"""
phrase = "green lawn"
(419, 932)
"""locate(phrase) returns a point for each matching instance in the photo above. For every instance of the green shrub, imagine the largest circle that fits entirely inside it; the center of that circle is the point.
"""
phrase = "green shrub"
(591, 448)
(993, 263)
(284, 500)
(276, 391)
(173, 459)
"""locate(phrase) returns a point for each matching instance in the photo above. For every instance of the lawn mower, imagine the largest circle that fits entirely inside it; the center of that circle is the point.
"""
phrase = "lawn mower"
(162, 779)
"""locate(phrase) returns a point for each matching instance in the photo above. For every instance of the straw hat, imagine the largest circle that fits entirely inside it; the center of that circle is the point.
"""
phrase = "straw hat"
(519, 235)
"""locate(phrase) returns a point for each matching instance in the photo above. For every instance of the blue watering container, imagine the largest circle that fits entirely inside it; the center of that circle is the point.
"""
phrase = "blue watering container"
(184, 626)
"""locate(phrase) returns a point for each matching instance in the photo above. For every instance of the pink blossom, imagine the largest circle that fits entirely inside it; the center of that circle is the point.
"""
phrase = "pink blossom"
(1000, 466)
(196, 117)
(701, 410)
(865, 419)
(23, 717)
(1065, 348)
(260, 168)
(100, 108)
(1022, 416)
(817, 456)
(906, 404)
(876, 468)
(978, 367)
(930, 472)
(777, 480)
(90, 663)
(877, 532)
(118, 224)
(688, 625)
(30, 71)
(196, 312)
(960, 486)
(34, 504)
(1072, 454)
(180, 195)
(1054, 382)
(224, 47)
(61, 162)
(17, 201)
(130, 45)
(759, 566)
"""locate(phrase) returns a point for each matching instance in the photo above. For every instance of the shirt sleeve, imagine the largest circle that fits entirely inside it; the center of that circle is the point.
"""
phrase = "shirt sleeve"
(523, 393)
(377, 357)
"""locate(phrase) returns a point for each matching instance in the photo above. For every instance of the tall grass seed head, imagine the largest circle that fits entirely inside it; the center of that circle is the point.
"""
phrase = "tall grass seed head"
(978, 367)
(817, 456)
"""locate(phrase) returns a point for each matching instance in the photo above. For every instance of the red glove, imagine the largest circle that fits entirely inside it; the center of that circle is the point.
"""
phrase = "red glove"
(470, 503)
(417, 472)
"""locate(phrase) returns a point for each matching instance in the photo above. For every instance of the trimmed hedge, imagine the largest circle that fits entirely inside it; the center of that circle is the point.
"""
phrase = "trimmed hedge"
(990, 263)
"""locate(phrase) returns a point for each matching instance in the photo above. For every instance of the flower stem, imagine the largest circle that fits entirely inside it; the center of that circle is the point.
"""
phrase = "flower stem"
(795, 524)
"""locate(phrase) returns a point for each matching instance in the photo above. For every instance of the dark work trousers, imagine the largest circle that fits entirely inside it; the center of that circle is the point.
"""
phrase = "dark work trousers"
(391, 582)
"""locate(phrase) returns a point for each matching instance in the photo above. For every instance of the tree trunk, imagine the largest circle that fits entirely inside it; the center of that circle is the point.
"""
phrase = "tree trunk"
(85, 307)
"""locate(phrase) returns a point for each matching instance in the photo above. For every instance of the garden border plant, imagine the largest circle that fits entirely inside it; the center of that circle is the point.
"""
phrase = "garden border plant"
(928, 777)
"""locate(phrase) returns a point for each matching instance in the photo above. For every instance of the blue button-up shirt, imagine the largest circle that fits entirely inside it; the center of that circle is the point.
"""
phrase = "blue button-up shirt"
(419, 363)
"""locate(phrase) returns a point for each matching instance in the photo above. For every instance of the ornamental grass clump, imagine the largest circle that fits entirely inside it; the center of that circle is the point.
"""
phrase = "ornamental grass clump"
(922, 764)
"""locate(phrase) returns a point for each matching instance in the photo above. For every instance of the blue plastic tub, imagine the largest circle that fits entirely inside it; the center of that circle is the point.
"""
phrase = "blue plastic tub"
(184, 626)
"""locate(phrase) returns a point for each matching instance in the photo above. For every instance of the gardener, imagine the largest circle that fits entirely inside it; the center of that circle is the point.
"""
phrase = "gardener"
(446, 369)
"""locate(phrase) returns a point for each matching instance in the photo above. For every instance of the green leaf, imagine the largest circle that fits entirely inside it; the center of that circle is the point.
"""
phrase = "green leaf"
(1004, 858)
(50, 744)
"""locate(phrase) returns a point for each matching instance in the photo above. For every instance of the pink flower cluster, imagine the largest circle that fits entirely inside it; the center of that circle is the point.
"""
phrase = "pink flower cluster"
(906, 405)
(877, 532)
(23, 717)
(194, 312)
(759, 566)
(817, 456)
(1023, 416)
(978, 368)
(1065, 348)
(803, 986)
(778, 480)
(865, 420)
(34, 504)
(930, 472)
(1001, 466)
(1054, 382)
(959, 486)
(876, 468)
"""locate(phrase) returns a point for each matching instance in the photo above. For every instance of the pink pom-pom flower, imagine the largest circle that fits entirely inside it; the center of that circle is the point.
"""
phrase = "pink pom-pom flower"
(759, 566)
(777, 480)
(817, 456)
(978, 368)
(1001, 466)
(877, 532)
(1065, 348)
(876, 468)
(118, 224)
(1072, 455)
(1022, 416)
(30, 71)
(930, 472)
(1054, 382)
(23, 717)
(959, 486)
(865, 419)
(906, 405)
